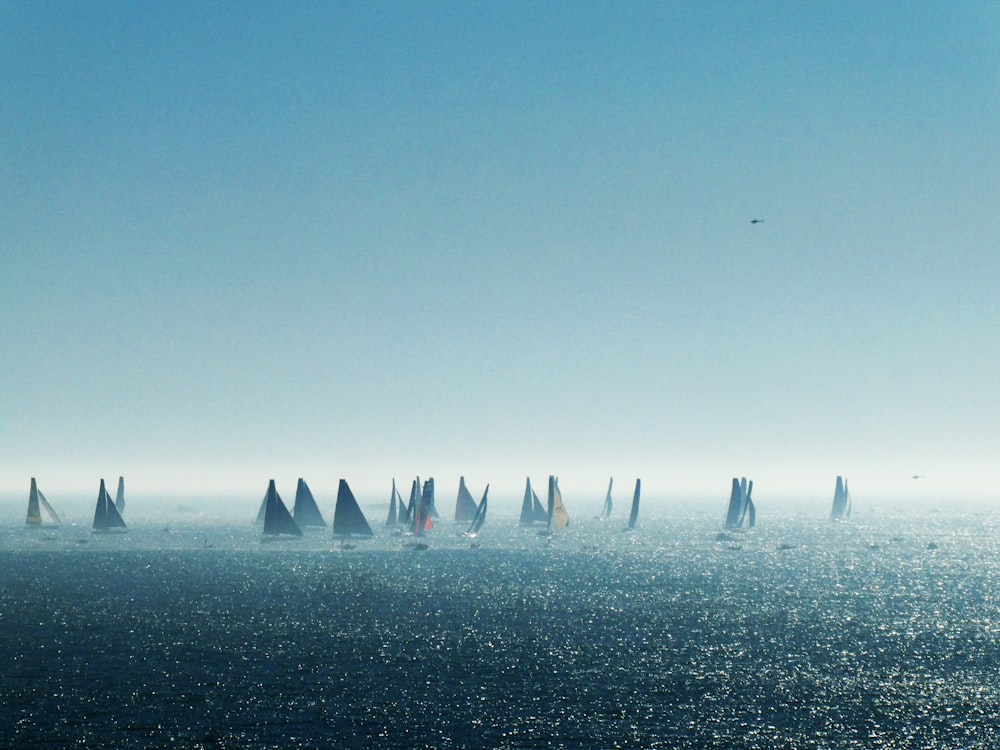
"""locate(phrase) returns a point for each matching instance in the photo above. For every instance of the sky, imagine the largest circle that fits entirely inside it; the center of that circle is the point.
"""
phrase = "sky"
(370, 240)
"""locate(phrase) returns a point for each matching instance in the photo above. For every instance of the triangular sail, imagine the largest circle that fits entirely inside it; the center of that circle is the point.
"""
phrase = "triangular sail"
(305, 511)
(633, 515)
(411, 506)
(277, 519)
(49, 509)
(749, 511)
(735, 510)
(120, 495)
(558, 517)
(538, 512)
(527, 512)
(262, 511)
(423, 521)
(841, 500)
(390, 520)
(480, 518)
(608, 504)
(465, 506)
(106, 515)
(348, 520)
(34, 517)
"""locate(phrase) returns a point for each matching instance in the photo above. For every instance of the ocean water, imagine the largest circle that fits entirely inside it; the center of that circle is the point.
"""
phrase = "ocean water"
(882, 632)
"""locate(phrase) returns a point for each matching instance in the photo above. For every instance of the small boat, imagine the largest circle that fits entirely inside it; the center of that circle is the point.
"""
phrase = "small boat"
(841, 501)
(532, 511)
(608, 504)
(396, 508)
(479, 519)
(558, 518)
(106, 515)
(36, 504)
(277, 520)
(348, 520)
(120, 495)
(741, 508)
(465, 506)
(633, 515)
(305, 511)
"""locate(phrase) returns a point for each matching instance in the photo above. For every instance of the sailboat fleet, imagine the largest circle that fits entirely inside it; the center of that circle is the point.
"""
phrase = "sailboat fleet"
(416, 517)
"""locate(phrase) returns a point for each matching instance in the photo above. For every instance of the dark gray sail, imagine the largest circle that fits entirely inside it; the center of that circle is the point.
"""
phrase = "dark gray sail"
(106, 515)
(465, 506)
(305, 511)
(407, 519)
(277, 519)
(480, 518)
(634, 514)
(390, 520)
(348, 520)
(120, 495)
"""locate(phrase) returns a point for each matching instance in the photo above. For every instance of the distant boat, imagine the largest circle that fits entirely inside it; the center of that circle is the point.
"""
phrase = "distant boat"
(841, 501)
(422, 520)
(633, 516)
(396, 508)
(741, 508)
(465, 506)
(479, 519)
(409, 518)
(120, 495)
(558, 518)
(277, 519)
(106, 515)
(348, 520)
(305, 511)
(608, 504)
(36, 504)
(532, 511)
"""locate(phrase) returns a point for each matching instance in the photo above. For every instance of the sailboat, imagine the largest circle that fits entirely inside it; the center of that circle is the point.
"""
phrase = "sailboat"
(479, 519)
(348, 520)
(465, 506)
(532, 511)
(277, 519)
(841, 501)
(558, 518)
(396, 507)
(741, 508)
(633, 515)
(120, 495)
(36, 504)
(305, 511)
(422, 518)
(606, 508)
(106, 515)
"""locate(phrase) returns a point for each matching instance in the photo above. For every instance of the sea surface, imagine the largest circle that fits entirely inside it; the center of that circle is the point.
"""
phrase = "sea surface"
(879, 632)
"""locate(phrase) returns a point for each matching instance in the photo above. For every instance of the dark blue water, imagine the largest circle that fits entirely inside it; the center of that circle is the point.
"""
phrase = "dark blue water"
(802, 635)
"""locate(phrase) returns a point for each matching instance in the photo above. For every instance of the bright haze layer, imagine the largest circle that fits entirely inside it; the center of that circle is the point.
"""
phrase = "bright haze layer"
(375, 240)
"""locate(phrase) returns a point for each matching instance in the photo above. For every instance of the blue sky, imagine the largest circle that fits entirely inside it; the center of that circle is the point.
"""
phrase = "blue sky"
(242, 241)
